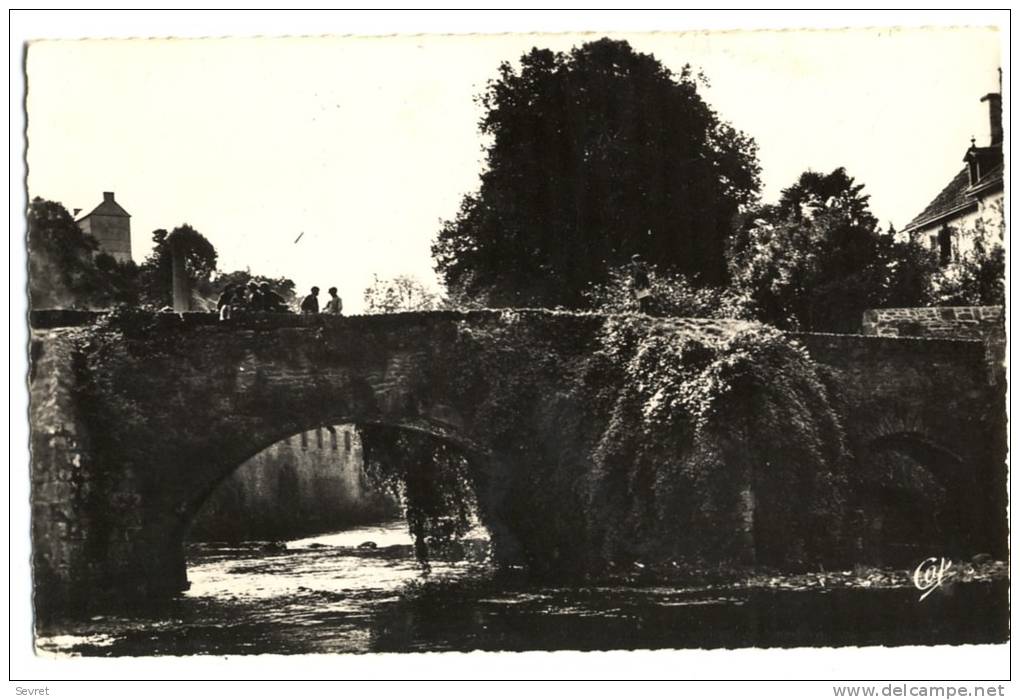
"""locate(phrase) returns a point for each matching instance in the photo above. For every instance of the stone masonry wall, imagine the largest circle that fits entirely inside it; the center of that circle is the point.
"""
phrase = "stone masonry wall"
(986, 323)
(975, 322)
(939, 391)
(60, 482)
(306, 484)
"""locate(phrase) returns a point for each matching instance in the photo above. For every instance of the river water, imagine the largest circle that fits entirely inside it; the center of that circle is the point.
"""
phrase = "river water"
(326, 595)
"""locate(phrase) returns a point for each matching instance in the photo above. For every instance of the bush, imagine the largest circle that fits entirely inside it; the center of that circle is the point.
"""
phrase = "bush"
(672, 295)
(977, 279)
(702, 421)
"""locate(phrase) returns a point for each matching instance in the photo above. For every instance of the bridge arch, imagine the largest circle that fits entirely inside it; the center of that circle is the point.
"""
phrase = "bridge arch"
(925, 503)
(481, 458)
(942, 462)
(487, 473)
(285, 494)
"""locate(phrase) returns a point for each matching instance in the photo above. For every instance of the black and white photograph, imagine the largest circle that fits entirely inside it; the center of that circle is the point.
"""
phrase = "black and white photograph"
(516, 342)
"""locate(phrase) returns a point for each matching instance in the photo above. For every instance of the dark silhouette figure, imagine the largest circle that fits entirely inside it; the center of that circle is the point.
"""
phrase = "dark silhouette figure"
(310, 304)
(641, 284)
(271, 301)
(253, 300)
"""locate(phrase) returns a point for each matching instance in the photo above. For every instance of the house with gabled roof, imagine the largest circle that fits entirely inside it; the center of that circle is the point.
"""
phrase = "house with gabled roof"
(970, 207)
(109, 224)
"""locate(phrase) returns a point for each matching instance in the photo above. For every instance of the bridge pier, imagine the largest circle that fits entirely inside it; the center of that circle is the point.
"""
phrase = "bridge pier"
(95, 534)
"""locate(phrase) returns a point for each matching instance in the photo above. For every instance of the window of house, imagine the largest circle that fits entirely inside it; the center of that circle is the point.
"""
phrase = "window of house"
(945, 245)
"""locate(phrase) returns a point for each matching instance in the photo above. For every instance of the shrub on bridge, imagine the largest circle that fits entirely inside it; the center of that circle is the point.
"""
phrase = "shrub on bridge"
(669, 439)
(721, 444)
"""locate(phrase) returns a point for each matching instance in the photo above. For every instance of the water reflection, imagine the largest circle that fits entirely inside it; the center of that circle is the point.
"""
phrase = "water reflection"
(326, 595)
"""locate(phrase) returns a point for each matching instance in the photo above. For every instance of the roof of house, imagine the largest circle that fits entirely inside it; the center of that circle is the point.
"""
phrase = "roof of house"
(107, 207)
(993, 175)
(960, 194)
(951, 198)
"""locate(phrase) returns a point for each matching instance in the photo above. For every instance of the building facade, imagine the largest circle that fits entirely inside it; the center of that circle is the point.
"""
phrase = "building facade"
(109, 224)
(969, 210)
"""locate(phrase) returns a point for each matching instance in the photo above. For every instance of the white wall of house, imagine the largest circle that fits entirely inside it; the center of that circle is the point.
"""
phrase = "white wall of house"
(986, 221)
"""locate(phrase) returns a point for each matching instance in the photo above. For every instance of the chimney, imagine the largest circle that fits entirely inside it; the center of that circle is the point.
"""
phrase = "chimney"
(107, 196)
(994, 117)
(77, 211)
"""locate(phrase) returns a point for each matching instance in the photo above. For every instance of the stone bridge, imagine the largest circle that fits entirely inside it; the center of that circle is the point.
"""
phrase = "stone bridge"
(135, 422)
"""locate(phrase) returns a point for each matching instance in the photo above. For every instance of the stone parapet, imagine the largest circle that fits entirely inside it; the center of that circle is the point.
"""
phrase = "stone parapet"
(982, 323)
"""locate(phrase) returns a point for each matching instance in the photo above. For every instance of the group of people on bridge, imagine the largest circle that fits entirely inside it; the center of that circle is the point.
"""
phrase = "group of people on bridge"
(258, 297)
(310, 304)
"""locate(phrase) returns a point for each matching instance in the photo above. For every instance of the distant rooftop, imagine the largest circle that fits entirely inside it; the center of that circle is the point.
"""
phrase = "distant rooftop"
(108, 207)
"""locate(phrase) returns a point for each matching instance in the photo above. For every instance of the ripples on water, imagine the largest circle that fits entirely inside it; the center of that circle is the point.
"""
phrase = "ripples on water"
(325, 595)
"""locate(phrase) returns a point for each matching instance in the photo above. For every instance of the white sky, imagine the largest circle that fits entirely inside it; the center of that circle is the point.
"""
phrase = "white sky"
(366, 144)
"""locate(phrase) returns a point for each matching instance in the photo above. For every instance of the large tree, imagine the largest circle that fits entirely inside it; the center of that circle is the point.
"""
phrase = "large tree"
(817, 259)
(156, 273)
(595, 155)
(66, 269)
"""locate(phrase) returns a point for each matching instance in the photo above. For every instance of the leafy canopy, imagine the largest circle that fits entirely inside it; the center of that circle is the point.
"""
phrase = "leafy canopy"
(157, 271)
(817, 260)
(595, 155)
(400, 293)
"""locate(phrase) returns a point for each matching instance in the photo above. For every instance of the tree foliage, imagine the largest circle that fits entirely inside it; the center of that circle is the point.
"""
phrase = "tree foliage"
(429, 477)
(672, 295)
(595, 154)
(817, 260)
(400, 293)
(156, 272)
(65, 268)
(978, 276)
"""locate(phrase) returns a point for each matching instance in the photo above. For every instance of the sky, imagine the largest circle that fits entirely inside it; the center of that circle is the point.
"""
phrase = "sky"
(362, 146)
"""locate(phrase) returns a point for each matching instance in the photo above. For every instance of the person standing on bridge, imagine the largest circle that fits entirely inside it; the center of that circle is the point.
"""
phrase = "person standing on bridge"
(310, 304)
(226, 302)
(641, 284)
(335, 305)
